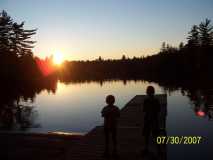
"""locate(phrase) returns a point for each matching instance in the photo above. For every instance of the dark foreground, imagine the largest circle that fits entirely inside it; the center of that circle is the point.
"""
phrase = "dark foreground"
(36, 146)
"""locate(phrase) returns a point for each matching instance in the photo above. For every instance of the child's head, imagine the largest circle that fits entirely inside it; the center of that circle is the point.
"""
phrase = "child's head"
(150, 91)
(110, 99)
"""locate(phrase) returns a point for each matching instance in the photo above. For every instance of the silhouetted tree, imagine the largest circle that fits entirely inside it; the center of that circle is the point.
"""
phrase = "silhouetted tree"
(5, 31)
(194, 37)
(14, 39)
(206, 33)
(21, 44)
(100, 58)
(163, 47)
(123, 57)
(181, 45)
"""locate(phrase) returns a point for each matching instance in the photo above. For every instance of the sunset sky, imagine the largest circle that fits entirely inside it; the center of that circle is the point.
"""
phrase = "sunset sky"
(86, 29)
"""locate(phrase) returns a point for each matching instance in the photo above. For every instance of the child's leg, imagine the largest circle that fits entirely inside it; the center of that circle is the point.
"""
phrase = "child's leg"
(106, 133)
(156, 133)
(146, 134)
(114, 139)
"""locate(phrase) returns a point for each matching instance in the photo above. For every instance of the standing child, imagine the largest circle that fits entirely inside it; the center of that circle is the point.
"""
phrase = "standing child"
(151, 108)
(110, 113)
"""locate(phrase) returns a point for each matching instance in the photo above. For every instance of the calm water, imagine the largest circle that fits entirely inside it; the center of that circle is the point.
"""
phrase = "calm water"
(76, 108)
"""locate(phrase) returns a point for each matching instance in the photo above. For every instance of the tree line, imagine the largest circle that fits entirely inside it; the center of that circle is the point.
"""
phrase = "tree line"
(186, 61)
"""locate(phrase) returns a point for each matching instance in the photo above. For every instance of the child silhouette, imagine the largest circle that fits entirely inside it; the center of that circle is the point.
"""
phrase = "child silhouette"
(110, 113)
(151, 108)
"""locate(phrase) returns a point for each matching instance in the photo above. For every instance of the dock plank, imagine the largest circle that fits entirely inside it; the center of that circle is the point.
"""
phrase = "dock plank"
(130, 141)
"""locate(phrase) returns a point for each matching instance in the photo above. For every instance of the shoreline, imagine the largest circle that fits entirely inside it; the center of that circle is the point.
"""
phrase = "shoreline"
(34, 146)
(56, 133)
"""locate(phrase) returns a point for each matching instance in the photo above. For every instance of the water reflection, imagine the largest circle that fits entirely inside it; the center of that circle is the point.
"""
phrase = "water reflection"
(56, 101)
(101, 82)
(16, 103)
(17, 117)
(203, 103)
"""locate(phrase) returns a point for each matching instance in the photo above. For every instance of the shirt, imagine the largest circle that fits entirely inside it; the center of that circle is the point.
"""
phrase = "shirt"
(151, 107)
(110, 114)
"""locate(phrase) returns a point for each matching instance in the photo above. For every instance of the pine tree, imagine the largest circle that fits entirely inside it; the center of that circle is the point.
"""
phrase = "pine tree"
(123, 57)
(21, 45)
(206, 33)
(163, 47)
(5, 32)
(181, 45)
(14, 39)
(194, 37)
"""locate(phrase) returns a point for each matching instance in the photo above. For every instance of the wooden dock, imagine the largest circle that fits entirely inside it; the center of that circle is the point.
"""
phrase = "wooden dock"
(130, 141)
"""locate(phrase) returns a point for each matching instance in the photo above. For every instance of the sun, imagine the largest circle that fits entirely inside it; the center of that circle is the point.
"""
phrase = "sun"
(57, 58)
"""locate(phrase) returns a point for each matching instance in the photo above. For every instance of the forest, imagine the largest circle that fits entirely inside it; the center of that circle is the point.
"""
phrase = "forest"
(186, 62)
(20, 68)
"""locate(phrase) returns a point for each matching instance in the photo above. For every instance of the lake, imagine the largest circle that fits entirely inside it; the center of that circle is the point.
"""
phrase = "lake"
(76, 107)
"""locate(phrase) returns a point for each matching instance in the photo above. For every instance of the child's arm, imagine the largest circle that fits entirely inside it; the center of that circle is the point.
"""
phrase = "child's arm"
(103, 112)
